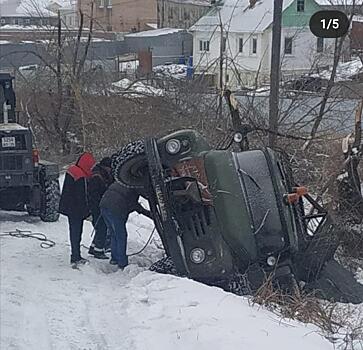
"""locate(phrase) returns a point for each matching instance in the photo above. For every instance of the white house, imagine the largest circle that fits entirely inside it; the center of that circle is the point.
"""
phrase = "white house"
(37, 13)
(67, 10)
(246, 39)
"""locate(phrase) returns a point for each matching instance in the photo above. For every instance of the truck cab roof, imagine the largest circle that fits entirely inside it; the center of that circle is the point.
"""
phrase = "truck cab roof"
(11, 127)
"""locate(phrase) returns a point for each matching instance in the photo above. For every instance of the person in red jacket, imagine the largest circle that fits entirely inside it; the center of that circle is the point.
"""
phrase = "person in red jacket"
(74, 203)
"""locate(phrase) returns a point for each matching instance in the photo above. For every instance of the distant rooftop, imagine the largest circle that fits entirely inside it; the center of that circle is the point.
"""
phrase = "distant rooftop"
(31, 8)
(193, 2)
(340, 2)
(239, 16)
(154, 32)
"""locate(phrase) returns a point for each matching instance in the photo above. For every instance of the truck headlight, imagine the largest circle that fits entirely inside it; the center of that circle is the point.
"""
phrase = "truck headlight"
(173, 146)
(237, 137)
(271, 260)
(197, 255)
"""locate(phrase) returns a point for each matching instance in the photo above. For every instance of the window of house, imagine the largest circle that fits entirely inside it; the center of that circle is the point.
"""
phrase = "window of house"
(240, 45)
(288, 46)
(300, 5)
(203, 45)
(320, 45)
(186, 14)
(101, 3)
(224, 44)
(27, 21)
(254, 46)
(109, 4)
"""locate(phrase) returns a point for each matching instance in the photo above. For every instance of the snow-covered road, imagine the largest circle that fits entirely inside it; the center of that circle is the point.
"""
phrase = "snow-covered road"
(47, 305)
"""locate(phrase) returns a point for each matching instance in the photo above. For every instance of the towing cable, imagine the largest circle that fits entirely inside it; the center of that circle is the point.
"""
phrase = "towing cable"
(46, 243)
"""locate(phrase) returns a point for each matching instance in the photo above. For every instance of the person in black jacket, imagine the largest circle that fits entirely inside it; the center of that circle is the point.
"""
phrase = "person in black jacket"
(116, 205)
(101, 178)
(74, 203)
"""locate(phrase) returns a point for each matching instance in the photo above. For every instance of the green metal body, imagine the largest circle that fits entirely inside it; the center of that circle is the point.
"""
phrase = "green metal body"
(246, 220)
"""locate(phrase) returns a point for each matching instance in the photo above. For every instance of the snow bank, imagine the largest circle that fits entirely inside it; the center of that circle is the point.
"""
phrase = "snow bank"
(135, 89)
(17, 27)
(345, 71)
(154, 32)
(47, 305)
(177, 71)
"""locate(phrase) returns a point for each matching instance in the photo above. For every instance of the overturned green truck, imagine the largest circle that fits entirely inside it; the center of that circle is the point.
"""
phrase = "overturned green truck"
(231, 219)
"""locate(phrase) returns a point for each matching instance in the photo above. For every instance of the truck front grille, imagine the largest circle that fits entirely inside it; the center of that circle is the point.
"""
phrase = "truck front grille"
(11, 162)
(197, 223)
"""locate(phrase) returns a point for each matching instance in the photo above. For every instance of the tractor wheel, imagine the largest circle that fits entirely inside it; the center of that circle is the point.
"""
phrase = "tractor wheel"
(129, 164)
(49, 200)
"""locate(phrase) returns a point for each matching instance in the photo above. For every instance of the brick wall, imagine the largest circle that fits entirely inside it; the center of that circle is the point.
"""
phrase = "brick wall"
(179, 14)
(121, 15)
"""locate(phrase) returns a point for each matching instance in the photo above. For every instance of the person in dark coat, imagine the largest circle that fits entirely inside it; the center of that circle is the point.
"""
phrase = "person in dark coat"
(74, 203)
(98, 183)
(116, 205)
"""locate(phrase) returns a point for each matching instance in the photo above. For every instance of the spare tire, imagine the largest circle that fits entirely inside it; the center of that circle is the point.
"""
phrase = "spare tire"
(129, 165)
(49, 200)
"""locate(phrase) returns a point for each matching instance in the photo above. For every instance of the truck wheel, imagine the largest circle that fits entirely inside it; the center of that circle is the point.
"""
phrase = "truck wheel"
(128, 165)
(49, 200)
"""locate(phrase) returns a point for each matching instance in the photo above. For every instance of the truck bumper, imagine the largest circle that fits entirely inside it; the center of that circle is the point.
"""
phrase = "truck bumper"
(16, 180)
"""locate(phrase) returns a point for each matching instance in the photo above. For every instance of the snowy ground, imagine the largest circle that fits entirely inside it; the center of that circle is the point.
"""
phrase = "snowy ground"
(47, 305)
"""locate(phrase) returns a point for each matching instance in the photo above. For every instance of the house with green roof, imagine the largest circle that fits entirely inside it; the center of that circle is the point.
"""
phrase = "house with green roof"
(242, 30)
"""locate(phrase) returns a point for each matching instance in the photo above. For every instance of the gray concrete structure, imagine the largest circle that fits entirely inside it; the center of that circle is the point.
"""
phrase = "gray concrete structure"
(167, 45)
(15, 55)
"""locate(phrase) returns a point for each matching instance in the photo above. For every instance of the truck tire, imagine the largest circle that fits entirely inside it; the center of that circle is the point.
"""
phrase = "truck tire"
(49, 200)
(129, 165)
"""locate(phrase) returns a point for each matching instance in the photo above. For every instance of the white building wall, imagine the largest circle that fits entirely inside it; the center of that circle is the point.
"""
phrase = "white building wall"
(204, 59)
(304, 54)
(247, 60)
(69, 17)
(304, 50)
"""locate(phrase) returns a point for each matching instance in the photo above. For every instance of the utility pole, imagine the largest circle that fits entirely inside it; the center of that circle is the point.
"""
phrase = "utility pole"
(59, 58)
(220, 102)
(162, 13)
(275, 73)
